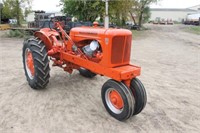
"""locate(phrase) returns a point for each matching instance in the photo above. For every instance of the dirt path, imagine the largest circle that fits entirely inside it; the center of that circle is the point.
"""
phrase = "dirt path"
(170, 60)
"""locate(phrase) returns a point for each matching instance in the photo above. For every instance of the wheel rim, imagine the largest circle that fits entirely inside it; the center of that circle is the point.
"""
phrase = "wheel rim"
(29, 63)
(114, 101)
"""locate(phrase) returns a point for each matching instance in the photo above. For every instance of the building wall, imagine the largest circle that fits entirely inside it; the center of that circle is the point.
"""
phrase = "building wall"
(59, 14)
(30, 17)
(197, 8)
(167, 14)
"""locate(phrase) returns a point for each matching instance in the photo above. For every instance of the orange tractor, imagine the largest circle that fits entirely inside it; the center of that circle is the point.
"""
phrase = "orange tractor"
(91, 51)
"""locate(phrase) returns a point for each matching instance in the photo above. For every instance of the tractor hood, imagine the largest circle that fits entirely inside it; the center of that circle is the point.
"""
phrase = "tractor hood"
(96, 33)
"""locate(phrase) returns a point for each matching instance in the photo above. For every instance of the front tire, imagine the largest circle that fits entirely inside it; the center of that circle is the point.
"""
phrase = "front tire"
(36, 63)
(139, 94)
(118, 100)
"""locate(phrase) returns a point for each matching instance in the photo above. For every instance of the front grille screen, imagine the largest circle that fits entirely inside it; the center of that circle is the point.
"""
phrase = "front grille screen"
(121, 47)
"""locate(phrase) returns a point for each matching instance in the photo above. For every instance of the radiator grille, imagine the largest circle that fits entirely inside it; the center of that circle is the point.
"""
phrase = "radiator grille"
(127, 49)
(121, 47)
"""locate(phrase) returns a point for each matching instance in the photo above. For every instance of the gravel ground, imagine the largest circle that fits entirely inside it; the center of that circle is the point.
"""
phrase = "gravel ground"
(170, 61)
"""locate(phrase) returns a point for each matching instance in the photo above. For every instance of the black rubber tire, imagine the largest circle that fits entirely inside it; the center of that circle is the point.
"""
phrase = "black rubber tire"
(41, 63)
(86, 73)
(139, 94)
(127, 98)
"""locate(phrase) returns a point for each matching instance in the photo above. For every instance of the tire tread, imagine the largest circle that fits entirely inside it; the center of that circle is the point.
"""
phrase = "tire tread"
(41, 63)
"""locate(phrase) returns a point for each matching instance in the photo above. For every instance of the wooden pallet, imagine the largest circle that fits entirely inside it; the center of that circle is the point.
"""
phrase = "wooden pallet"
(4, 26)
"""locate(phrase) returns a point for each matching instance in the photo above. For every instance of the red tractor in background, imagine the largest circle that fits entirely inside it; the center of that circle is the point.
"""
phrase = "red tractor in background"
(91, 51)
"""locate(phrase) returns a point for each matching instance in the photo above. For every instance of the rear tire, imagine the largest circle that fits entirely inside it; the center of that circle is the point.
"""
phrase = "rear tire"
(86, 73)
(39, 76)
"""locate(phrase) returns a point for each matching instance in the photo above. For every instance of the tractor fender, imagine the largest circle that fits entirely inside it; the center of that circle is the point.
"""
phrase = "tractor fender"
(45, 38)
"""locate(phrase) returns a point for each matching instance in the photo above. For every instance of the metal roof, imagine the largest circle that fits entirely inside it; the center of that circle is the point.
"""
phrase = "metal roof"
(171, 9)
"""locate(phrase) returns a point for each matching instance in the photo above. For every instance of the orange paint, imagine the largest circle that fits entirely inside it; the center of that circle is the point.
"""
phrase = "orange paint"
(116, 99)
(30, 63)
(113, 60)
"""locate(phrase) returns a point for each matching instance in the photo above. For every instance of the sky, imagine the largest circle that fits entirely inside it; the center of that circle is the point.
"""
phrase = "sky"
(46, 5)
(52, 5)
(176, 3)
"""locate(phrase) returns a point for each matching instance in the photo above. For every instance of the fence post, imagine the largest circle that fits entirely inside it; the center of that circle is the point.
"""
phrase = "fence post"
(1, 6)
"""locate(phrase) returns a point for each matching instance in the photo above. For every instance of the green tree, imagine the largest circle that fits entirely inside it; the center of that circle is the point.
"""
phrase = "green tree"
(86, 10)
(142, 9)
(6, 11)
(119, 10)
(14, 9)
(146, 14)
(27, 10)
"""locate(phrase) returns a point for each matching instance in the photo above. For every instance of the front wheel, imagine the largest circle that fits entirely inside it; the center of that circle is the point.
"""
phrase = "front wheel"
(36, 63)
(118, 100)
(139, 94)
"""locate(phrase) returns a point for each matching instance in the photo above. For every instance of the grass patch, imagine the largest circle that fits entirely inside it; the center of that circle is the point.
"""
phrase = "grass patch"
(18, 34)
(194, 29)
(139, 33)
(136, 33)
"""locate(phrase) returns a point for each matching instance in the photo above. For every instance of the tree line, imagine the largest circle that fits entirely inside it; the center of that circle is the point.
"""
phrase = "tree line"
(86, 10)
(119, 10)
(17, 9)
